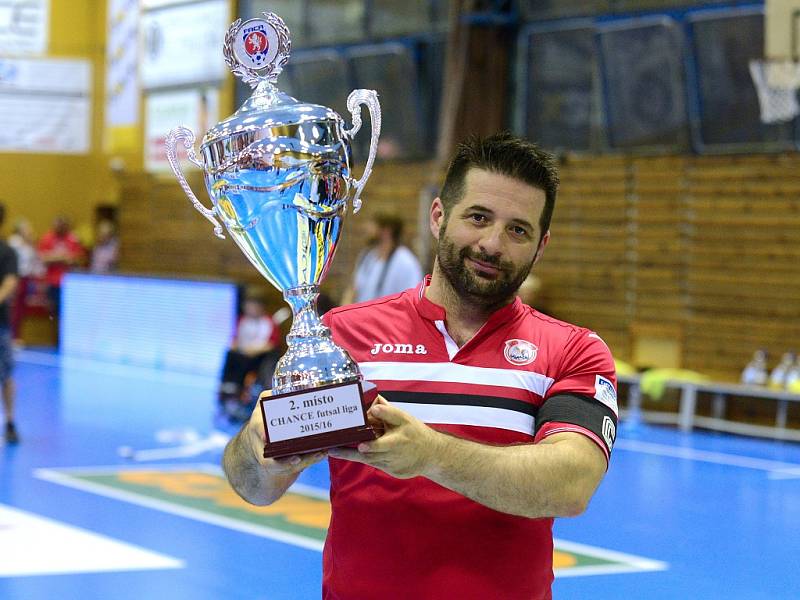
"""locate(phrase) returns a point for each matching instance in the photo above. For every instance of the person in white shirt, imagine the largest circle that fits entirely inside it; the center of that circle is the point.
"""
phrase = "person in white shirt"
(256, 337)
(386, 267)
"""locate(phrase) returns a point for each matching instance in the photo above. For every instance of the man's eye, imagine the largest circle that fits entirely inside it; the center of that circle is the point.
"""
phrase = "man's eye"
(520, 231)
(478, 218)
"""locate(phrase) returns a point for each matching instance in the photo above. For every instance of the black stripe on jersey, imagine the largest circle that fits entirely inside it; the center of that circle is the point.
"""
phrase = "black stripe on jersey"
(580, 410)
(462, 400)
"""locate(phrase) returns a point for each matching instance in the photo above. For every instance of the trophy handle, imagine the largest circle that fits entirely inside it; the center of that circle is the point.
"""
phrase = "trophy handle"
(354, 102)
(185, 135)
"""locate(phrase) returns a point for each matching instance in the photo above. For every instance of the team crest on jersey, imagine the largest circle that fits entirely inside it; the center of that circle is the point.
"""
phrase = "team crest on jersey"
(520, 352)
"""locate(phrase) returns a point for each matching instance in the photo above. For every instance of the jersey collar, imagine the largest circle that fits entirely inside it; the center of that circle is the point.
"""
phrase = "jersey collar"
(434, 312)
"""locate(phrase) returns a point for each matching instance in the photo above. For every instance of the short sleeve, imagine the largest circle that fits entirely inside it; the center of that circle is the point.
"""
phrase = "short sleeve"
(583, 397)
(275, 337)
(587, 369)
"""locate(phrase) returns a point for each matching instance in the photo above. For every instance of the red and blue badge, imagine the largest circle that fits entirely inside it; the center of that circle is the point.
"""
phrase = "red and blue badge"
(256, 45)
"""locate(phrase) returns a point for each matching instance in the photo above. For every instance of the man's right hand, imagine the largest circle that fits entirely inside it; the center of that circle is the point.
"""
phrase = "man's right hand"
(284, 466)
(260, 480)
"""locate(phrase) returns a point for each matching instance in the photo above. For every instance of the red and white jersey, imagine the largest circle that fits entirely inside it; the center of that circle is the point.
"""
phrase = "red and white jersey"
(393, 538)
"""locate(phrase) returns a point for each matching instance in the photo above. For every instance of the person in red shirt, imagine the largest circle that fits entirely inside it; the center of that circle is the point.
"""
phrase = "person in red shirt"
(496, 417)
(60, 251)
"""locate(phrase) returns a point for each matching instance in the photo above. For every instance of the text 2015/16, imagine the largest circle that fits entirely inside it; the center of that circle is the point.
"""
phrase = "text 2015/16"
(318, 426)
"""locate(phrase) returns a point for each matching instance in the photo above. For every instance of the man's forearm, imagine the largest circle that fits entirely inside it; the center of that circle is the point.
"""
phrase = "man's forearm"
(248, 477)
(541, 480)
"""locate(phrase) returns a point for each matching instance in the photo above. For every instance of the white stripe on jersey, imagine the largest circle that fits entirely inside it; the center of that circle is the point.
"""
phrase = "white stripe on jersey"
(480, 416)
(456, 373)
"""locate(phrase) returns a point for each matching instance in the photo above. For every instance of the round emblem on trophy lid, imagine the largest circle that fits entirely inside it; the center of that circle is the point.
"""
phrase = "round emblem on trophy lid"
(257, 49)
(253, 46)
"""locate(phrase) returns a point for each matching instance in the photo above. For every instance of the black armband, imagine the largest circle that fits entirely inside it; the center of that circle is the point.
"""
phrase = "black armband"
(583, 411)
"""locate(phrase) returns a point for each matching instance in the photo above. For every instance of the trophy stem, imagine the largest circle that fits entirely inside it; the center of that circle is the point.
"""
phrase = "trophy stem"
(312, 359)
(306, 322)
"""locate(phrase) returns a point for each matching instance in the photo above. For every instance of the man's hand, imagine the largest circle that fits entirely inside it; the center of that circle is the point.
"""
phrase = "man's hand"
(404, 450)
(285, 466)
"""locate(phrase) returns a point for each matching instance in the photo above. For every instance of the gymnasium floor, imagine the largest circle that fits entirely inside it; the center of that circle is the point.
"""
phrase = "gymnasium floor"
(700, 516)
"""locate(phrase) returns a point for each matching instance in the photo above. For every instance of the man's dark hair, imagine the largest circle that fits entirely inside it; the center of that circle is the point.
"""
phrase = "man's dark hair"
(505, 154)
(391, 222)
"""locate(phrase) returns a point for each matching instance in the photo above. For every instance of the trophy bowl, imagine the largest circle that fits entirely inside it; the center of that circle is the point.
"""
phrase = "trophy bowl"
(279, 175)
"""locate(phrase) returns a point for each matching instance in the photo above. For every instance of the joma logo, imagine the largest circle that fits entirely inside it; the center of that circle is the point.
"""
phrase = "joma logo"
(399, 349)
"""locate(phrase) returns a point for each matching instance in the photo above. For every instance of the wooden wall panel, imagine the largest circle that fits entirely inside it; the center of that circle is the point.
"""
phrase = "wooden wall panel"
(702, 250)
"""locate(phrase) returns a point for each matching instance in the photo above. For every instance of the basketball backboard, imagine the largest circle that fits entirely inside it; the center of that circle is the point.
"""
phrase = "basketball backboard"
(782, 30)
(777, 76)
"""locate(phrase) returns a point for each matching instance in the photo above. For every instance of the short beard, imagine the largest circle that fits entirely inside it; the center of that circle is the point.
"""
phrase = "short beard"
(483, 292)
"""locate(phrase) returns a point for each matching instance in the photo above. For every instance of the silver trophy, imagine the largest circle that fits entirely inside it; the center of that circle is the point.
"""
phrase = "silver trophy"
(279, 174)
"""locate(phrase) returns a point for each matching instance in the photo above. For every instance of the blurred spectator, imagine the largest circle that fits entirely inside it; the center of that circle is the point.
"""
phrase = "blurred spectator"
(755, 373)
(60, 251)
(105, 253)
(777, 378)
(256, 336)
(8, 284)
(29, 266)
(793, 377)
(385, 266)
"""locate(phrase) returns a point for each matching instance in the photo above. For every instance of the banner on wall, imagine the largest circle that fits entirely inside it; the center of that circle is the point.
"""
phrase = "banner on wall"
(122, 83)
(182, 44)
(196, 108)
(23, 26)
(45, 105)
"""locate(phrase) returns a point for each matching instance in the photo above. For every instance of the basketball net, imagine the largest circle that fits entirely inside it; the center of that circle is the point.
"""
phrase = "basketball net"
(777, 82)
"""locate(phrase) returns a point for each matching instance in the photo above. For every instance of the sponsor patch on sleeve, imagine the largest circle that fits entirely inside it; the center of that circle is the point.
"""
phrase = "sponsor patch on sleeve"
(604, 392)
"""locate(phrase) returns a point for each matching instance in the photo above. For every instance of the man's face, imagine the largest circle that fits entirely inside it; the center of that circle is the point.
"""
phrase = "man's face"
(490, 239)
(253, 309)
(61, 227)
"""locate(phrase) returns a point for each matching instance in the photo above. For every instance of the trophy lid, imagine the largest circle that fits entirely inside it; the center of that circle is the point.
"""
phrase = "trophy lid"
(256, 50)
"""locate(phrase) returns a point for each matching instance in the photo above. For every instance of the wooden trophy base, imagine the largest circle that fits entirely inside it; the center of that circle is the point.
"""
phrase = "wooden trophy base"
(292, 420)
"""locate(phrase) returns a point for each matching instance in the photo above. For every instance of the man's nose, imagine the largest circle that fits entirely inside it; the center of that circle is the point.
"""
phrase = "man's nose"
(491, 243)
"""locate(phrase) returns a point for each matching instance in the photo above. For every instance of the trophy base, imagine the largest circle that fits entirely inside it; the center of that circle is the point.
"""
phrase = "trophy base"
(323, 441)
(316, 419)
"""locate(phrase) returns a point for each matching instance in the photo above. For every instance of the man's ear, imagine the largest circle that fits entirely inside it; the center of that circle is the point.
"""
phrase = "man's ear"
(436, 216)
(540, 250)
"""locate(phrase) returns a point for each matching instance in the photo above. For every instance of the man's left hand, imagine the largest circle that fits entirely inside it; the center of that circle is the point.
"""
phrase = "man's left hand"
(403, 451)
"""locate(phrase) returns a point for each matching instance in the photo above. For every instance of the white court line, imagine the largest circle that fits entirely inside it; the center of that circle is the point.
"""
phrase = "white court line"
(775, 469)
(31, 544)
(631, 563)
(62, 478)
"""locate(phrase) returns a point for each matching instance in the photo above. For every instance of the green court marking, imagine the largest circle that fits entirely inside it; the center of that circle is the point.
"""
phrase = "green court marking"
(211, 493)
(301, 517)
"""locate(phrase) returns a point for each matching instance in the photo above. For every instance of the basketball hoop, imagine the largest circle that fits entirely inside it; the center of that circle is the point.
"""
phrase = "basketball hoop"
(777, 82)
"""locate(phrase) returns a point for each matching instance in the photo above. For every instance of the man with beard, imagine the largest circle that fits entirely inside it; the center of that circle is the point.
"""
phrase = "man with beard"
(496, 418)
